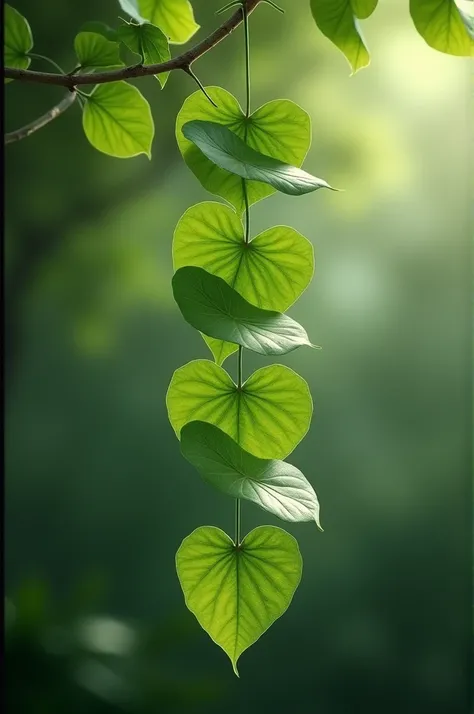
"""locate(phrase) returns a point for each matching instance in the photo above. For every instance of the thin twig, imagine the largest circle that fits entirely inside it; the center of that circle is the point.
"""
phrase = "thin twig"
(43, 120)
(180, 62)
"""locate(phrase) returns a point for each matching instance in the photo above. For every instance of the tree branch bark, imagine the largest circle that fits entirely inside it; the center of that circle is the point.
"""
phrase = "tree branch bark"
(36, 124)
(182, 61)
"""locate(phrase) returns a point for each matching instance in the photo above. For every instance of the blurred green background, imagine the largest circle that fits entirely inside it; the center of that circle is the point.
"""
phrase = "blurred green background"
(98, 497)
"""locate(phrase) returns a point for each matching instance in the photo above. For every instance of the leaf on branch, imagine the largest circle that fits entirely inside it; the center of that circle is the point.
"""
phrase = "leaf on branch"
(443, 26)
(18, 40)
(268, 417)
(174, 17)
(211, 306)
(94, 51)
(147, 41)
(236, 594)
(101, 29)
(271, 271)
(280, 129)
(117, 120)
(275, 486)
(338, 21)
(228, 151)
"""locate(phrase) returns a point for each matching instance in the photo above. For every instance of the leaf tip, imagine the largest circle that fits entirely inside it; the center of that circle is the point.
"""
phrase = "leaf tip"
(234, 667)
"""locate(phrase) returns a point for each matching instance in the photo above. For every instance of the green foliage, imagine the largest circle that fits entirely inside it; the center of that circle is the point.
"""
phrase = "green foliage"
(147, 41)
(18, 40)
(174, 17)
(280, 129)
(268, 416)
(338, 20)
(101, 29)
(444, 26)
(236, 593)
(227, 151)
(95, 51)
(211, 306)
(275, 486)
(117, 120)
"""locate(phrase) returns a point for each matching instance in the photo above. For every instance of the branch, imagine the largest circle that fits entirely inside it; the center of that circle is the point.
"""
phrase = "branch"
(43, 120)
(183, 61)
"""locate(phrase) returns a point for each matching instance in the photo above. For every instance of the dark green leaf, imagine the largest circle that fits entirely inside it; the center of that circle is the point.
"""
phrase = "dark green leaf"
(101, 29)
(443, 26)
(237, 593)
(275, 486)
(94, 51)
(117, 120)
(280, 129)
(228, 151)
(210, 305)
(147, 41)
(18, 40)
(268, 416)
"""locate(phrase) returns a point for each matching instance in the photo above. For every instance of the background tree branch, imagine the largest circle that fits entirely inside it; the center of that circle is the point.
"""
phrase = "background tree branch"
(36, 124)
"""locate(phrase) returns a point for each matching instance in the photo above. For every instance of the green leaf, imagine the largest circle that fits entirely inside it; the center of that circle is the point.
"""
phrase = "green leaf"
(214, 308)
(100, 28)
(219, 348)
(174, 17)
(444, 26)
(271, 271)
(117, 120)
(18, 40)
(94, 51)
(268, 416)
(275, 486)
(228, 151)
(280, 129)
(237, 593)
(338, 20)
(147, 41)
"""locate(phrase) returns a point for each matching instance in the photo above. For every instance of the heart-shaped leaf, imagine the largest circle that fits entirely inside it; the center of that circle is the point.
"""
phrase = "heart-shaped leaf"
(444, 26)
(338, 20)
(271, 271)
(210, 305)
(18, 40)
(268, 416)
(117, 120)
(100, 28)
(226, 150)
(149, 42)
(275, 486)
(237, 593)
(174, 17)
(280, 129)
(94, 51)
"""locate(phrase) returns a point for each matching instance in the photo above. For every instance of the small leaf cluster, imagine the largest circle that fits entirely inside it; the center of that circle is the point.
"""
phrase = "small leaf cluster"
(117, 118)
(235, 288)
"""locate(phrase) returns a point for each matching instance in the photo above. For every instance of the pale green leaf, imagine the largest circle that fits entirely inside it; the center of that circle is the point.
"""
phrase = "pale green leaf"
(237, 593)
(280, 129)
(268, 417)
(18, 40)
(338, 21)
(443, 26)
(220, 350)
(229, 152)
(147, 41)
(94, 51)
(271, 271)
(211, 306)
(275, 486)
(174, 17)
(117, 120)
